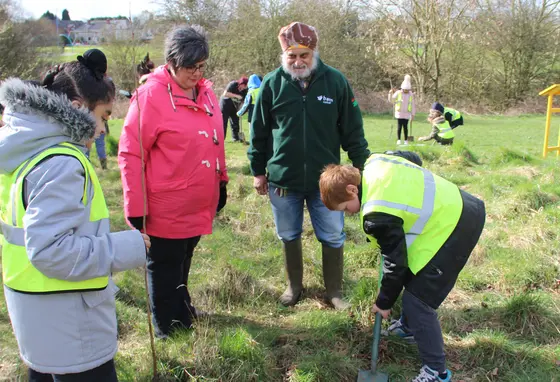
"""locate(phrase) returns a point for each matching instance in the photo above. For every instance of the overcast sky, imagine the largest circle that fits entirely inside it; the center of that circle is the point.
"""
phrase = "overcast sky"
(85, 9)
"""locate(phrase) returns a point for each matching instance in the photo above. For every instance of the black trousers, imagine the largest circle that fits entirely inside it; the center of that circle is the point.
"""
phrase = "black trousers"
(105, 373)
(402, 124)
(250, 112)
(169, 263)
(229, 113)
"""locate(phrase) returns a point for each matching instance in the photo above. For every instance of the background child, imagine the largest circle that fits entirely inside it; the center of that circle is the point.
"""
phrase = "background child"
(249, 103)
(404, 106)
(441, 131)
(426, 228)
(452, 116)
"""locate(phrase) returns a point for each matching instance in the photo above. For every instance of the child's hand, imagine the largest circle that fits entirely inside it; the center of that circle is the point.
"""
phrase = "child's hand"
(147, 242)
(384, 313)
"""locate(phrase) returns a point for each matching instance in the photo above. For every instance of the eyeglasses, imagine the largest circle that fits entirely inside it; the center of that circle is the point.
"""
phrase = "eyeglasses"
(192, 69)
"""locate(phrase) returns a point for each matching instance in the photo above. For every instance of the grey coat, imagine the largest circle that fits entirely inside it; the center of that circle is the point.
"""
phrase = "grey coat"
(67, 332)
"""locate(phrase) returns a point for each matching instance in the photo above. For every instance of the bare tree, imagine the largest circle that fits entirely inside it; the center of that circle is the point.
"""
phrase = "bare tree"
(522, 39)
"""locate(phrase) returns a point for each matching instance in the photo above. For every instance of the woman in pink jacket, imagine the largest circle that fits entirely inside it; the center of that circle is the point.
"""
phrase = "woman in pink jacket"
(179, 119)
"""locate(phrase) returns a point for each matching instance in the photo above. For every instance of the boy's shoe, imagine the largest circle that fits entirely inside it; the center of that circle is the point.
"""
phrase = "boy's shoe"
(430, 375)
(406, 142)
(398, 329)
(399, 142)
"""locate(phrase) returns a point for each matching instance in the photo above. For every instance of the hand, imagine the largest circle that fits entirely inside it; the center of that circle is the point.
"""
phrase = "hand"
(147, 242)
(261, 184)
(384, 313)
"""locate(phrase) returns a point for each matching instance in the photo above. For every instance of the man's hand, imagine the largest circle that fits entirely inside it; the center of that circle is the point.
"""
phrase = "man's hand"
(261, 184)
(384, 313)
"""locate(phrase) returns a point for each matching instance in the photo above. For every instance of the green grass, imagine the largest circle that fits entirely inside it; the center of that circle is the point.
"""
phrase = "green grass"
(501, 322)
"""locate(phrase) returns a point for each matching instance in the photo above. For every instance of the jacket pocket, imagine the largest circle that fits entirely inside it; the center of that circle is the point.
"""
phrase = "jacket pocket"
(94, 299)
(167, 186)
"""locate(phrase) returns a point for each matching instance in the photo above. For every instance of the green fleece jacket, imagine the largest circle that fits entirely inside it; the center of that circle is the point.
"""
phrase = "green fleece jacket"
(295, 133)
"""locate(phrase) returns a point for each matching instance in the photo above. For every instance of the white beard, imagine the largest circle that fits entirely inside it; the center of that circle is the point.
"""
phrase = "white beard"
(307, 70)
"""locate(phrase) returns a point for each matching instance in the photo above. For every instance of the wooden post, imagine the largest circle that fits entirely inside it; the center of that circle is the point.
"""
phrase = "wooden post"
(547, 126)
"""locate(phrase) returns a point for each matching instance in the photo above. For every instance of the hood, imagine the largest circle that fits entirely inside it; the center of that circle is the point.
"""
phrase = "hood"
(254, 82)
(36, 119)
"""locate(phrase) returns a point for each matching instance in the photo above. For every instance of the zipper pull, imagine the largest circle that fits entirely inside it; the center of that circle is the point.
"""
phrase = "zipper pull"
(218, 166)
(215, 138)
(304, 99)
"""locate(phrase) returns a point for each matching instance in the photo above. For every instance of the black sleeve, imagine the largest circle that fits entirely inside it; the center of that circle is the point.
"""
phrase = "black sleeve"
(232, 87)
(448, 117)
(137, 222)
(408, 155)
(388, 231)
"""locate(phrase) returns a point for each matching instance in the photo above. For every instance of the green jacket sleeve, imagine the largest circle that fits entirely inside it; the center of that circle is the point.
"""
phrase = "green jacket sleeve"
(260, 131)
(351, 127)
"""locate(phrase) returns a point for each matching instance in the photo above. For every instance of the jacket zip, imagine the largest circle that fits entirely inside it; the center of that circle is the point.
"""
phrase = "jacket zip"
(304, 144)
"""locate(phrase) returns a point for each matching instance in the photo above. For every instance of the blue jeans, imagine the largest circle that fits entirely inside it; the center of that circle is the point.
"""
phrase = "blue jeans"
(288, 217)
(99, 147)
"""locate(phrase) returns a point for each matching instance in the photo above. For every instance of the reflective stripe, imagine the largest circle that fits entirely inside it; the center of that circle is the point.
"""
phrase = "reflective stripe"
(445, 130)
(13, 235)
(428, 202)
(396, 206)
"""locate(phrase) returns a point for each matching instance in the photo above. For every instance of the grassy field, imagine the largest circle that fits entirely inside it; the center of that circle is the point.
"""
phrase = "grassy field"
(501, 323)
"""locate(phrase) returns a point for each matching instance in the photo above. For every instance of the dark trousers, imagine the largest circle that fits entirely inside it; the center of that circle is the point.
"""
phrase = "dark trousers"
(229, 113)
(105, 373)
(443, 141)
(426, 290)
(402, 124)
(169, 263)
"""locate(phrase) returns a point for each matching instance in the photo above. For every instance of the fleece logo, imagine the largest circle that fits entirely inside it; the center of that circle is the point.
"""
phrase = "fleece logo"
(326, 100)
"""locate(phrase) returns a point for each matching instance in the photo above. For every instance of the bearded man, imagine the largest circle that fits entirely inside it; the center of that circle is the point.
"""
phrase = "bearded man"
(304, 114)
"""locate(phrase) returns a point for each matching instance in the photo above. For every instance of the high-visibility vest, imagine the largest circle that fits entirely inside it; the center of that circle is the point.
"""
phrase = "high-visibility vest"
(254, 93)
(455, 114)
(429, 205)
(398, 102)
(445, 130)
(17, 271)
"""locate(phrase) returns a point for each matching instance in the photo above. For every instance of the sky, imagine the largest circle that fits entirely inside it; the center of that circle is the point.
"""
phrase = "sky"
(85, 9)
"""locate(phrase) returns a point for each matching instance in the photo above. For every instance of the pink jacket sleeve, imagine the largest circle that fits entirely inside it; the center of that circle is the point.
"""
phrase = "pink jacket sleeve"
(129, 152)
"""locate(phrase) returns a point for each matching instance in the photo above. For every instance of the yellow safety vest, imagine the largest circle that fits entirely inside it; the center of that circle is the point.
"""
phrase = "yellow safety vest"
(445, 130)
(254, 93)
(429, 205)
(17, 271)
(455, 114)
(399, 102)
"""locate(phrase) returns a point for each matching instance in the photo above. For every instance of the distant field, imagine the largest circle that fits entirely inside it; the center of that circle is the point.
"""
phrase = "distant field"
(501, 323)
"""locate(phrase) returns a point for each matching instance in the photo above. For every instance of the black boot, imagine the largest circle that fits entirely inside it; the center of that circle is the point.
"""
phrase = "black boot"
(294, 269)
(103, 163)
(333, 265)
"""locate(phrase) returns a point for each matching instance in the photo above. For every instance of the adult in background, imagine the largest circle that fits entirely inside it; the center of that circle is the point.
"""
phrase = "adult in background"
(305, 113)
(183, 151)
(454, 117)
(233, 95)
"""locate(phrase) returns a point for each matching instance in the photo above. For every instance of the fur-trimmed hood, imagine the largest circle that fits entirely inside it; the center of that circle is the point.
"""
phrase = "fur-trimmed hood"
(35, 119)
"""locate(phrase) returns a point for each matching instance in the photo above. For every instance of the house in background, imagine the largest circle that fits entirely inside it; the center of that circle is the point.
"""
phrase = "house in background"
(99, 31)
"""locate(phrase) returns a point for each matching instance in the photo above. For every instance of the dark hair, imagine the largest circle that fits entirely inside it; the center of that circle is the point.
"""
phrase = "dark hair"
(185, 46)
(145, 66)
(82, 80)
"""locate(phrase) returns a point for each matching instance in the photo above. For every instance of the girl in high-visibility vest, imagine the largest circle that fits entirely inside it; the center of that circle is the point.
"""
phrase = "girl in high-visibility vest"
(404, 107)
(441, 132)
(58, 253)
